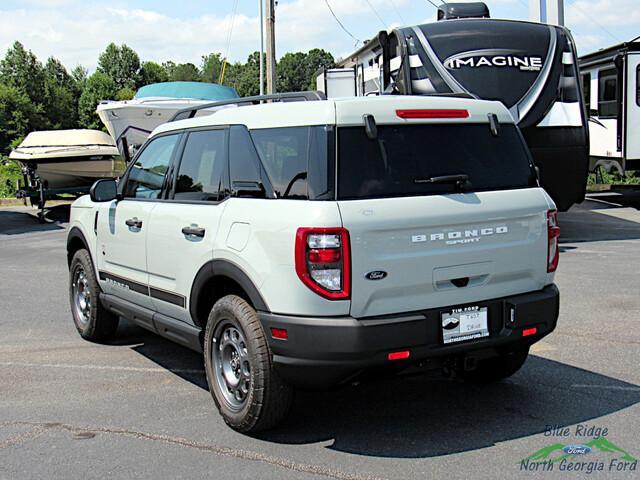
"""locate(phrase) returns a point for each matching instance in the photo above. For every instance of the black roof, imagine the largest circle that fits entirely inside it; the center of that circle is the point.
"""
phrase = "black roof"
(606, 55)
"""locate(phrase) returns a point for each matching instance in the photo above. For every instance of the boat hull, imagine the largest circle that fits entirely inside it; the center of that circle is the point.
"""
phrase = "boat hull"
(68, 173)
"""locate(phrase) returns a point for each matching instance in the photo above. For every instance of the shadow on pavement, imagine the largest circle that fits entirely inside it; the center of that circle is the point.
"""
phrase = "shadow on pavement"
(588, 222)
(427, 415)
(18, 220)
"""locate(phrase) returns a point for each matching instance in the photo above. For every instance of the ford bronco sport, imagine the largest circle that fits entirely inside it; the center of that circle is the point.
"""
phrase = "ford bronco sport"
(301, 244)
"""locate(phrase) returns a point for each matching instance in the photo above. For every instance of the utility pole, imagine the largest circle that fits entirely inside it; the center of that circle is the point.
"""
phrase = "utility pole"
(261, 47)
(271, 47)
(547, 11)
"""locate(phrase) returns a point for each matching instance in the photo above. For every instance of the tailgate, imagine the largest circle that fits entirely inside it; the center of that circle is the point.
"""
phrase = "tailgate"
(445, 250)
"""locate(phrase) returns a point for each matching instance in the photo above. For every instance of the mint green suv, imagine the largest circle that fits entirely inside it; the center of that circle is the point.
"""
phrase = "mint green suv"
(302, 244)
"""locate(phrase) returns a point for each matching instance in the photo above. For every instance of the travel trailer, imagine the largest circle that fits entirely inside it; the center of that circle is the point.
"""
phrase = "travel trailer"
(530, 67)
(611, 88)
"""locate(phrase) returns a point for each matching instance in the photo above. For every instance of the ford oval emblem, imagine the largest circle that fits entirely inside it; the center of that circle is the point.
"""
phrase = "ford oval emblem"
(375, 275)
(576, 449)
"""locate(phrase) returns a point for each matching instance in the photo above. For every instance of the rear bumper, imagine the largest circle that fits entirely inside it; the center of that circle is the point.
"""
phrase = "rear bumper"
(320, 352)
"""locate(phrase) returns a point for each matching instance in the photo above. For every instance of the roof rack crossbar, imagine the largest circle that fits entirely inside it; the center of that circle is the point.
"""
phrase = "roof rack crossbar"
(308, 96)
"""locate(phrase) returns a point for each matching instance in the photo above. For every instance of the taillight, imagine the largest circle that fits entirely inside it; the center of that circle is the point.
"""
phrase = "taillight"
(553, 232)
(322, 261)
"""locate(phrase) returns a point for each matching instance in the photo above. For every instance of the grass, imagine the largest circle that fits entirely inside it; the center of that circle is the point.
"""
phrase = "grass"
(10, 173)
(630, 178)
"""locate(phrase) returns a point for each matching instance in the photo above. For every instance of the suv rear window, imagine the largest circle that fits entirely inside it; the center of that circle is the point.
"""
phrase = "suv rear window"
(404, 156)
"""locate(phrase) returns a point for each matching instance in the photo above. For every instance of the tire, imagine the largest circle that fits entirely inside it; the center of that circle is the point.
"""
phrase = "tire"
(92, 320)
(243, 383)
(496, 368)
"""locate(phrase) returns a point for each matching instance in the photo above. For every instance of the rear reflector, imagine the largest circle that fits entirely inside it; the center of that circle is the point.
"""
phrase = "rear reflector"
(432, 113)
(529, 331)
(399, 355)
(279, 333)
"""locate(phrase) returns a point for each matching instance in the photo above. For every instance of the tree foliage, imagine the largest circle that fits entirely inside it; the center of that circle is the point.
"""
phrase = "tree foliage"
(99, 86)
(121, 64)
(151, 72)
(18, 116)
(34, 96)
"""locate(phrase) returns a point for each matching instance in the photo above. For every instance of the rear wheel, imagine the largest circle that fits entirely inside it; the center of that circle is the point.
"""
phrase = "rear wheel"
(245, 387)
(92, 320)
(497, 368)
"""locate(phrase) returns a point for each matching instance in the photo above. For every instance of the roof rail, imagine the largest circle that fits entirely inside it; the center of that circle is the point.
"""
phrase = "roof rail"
(308, 96)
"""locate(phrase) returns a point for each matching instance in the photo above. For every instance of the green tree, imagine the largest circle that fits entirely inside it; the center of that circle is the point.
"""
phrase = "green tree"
(99, 86)
(59, 100)
(21, 69)
(125, 93)
(246, 77)
(211, 67)
(121, 64)
(317, 58)
(185, 72)
(169, 67)
(18, 116)
(292, 72)
(151, 72)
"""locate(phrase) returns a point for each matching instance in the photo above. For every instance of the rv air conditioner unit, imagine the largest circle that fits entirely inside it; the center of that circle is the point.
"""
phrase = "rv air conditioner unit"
(450, 11)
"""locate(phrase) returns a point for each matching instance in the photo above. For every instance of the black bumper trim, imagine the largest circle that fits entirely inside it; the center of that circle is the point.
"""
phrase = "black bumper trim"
(325, 351)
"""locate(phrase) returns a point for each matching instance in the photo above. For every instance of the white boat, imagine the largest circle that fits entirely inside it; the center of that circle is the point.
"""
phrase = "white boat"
(131, 121)
(68, 159)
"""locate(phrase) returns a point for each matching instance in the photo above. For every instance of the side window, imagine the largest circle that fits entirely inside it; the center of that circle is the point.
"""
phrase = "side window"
(296, 160)
(608, 93)
(202, 166)
(146, 177)
(244, 164)
(586, 90)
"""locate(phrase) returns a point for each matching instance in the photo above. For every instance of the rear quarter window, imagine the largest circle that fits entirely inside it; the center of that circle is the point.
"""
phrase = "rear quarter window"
(296, 160)
(404, 156)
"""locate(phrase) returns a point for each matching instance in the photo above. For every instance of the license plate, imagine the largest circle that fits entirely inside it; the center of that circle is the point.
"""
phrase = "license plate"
(463, 324)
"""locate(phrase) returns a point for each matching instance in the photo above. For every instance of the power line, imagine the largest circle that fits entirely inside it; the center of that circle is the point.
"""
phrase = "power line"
(397, 11)
(433, 4)
(228, 48)
(340, 23)
(596, 22)
(377, 14)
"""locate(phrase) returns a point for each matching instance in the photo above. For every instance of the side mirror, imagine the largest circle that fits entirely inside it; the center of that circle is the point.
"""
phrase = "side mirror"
(104, 190)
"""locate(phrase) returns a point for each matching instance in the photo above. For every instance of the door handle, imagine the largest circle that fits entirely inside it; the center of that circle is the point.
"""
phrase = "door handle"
(133, 222)
(193, 231)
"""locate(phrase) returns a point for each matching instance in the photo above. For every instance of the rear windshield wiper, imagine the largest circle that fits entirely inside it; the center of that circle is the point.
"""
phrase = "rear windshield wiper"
(459, 179)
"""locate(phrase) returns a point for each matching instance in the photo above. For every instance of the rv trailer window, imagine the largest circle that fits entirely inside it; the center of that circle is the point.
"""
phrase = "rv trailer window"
(638, 85)
(404, 158)
(608, 93)
(586, 90)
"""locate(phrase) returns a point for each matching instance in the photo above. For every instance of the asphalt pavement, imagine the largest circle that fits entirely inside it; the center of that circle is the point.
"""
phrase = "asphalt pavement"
(139, 406)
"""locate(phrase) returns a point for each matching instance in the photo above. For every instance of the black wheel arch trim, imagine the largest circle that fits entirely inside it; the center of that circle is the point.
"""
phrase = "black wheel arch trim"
(225, 268)
(76, 233)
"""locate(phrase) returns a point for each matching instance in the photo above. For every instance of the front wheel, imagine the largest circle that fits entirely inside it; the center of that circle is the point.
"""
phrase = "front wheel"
(497, 368)
(242, 380)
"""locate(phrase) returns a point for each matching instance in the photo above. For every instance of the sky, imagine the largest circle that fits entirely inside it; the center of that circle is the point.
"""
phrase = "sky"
(76, 31)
